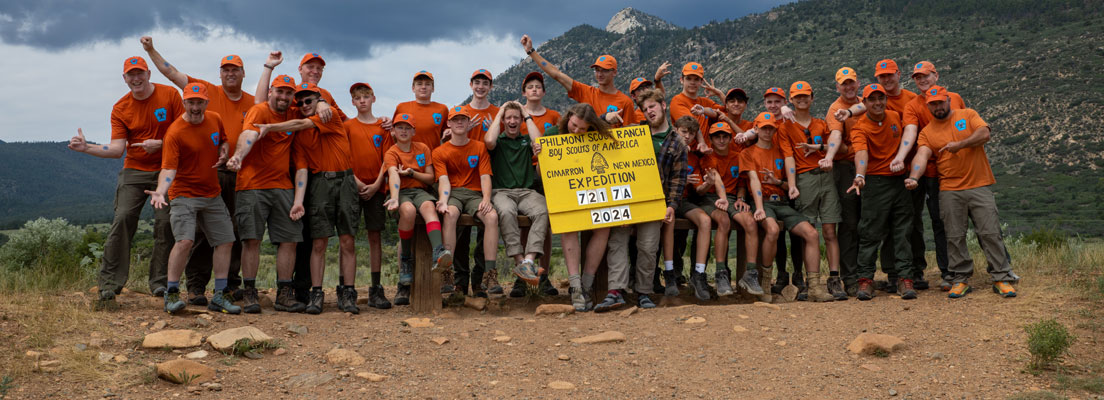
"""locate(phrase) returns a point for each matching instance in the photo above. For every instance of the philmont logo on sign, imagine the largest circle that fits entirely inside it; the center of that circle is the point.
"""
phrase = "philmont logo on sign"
(214, 138)
(420, 159)
(436, 118)
(473, 161)
(161, 114)
(598, 163)
(377, 140)
(960, 124)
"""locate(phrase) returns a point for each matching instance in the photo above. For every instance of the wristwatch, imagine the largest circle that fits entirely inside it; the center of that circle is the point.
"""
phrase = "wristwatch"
(528, 117)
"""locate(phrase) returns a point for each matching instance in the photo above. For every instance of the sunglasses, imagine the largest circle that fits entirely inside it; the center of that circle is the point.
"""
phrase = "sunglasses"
(306, 102)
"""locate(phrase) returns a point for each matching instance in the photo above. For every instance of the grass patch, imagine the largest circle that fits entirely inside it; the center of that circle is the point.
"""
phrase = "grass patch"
(247, 345)
(6, 385)
(1047, 341)
(1091, 384)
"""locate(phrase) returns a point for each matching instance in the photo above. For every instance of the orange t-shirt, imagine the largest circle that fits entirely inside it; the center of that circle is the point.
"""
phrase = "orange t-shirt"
(897, 103)
(232, 112)
(269, 161)
(419, 158)
(544, 121)
(367, 143)
(969, 167)
(488, 115)
(681, 105)
(728, 166)
(464, 165)
(917, 113)
(604, 102)
(141, 120)
(880, 140)
(429, 121)
(793, 133)
(198, 146)
(757, 159)
(844, 127)
(324, 148)
(341, 117)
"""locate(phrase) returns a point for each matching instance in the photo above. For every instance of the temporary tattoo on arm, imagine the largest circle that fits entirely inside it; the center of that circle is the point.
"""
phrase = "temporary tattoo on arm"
(446, 193)
(105, 147)
(906, 143)
(167, 180)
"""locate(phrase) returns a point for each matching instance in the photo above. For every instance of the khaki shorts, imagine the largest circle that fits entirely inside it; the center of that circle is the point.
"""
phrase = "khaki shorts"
(259, 207)
(819, 199)
(416, 196)
(333, 204)
(782, 212)
(208, 213)
(466, 200)
(685, 207)
(374, 212)
(709, 199)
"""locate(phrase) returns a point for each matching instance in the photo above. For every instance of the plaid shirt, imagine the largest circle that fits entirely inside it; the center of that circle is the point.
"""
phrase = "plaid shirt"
(672, 167)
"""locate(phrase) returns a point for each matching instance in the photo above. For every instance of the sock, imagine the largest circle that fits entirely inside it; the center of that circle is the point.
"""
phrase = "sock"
(575, 281)
(668, 265)
(833, 273)
(220, 284)
(699, 268)
(489, 265)
(316, 288)
(375, 279)
(722, 266)
(587, 281)
(433, 229)
(174, 286)
(250, 283)
(407, 243)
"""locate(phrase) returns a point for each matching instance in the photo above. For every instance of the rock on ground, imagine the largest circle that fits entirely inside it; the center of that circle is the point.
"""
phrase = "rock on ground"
(371, 377)
(555, 309)
(869, 343)
(184, 371)
(604, 337)
(224, 340)
(177, 339)
(344, 358)
(561, 385)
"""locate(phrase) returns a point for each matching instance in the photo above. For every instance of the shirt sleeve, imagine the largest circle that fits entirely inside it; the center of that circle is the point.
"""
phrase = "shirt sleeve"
(390, 158)
(975, 121)
(858, 138)
(909, 117)
(438, 163)
(579, 92)
(170, 152)
(786, 143)
(833, 123)
(484, 162)
(119, 129)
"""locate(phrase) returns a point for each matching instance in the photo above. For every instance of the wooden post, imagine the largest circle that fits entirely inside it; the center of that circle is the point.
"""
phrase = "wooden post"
(425, 296)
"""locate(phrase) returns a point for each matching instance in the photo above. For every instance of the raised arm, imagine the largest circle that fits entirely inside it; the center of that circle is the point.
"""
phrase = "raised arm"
(546, 66)
(115, 149)
(274, 59)
(178, 78)
(491, 138)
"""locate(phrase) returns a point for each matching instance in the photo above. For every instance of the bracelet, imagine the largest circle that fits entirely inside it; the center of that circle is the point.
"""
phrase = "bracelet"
(857, 176)
(909, 177)
(849, 113)
(821, 147)
(530, 52)
(267, 66)
(528, 117)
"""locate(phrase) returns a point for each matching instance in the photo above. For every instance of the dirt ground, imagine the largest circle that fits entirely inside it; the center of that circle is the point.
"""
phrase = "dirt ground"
(971, 348)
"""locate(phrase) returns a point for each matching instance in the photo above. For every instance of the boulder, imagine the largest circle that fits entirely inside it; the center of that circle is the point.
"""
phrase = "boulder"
(175, 338)
(184, 372)
(344, 358)
(224, 340)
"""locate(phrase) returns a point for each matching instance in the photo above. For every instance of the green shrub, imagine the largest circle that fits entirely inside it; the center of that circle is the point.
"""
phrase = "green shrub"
(1049, 238)
(42, 241)
(1047, 340)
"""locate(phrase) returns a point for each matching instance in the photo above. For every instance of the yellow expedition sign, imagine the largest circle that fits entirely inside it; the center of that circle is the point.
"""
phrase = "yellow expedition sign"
(594, 181)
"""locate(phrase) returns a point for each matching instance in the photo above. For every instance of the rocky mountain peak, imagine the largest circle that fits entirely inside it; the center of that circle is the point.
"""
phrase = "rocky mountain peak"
(631, 18)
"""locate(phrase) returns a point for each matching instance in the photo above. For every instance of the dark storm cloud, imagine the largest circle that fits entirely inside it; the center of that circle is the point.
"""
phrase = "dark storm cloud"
(346, 28)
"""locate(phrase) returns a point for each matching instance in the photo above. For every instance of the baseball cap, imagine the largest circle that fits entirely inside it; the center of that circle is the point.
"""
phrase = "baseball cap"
(232, 59)
(886, 66)
(307, 87)
(737, 93)
(423, 73)
(719, 127)
(359, 84)
(311, 56)
(693, 68)
(459, 110)
(871, 89)
(531, 76)
(844, 74)
(777, 91)
(134, 63)
(764, 119)
(923, 67)
(404, 119)
(937, 93)
(195, 91)
(482, 72)
(800, 87)
(605, 61)
(283, 81)
(636, 82)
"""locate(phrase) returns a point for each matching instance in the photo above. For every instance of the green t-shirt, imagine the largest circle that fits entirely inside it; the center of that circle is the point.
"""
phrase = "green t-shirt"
(658, 138)
(512, 163)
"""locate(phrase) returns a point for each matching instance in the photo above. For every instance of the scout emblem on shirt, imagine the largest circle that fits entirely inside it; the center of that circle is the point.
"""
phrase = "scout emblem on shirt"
(160, 114)
(734, 171)
(778, 164)
(611, 108)
(960, 124)
(547, 125)
(420, 159)
(473, 161)
(377, 140)
(437, 118)
(214, 138)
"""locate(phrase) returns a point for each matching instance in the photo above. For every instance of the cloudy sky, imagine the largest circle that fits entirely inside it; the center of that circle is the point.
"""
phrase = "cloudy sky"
(62, 59)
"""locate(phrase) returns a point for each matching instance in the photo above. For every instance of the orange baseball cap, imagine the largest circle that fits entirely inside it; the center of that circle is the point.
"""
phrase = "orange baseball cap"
(195, 91)
(359, 84)
(923, 67)
(307, 87)
(636, 83)
(937, 93)
(738, 93)
(871, 89)
(232, 59)
(777, 91)
(800, 87)
(134, 63)
(844, 74)
(423, 73)
(404, 119)
(532, 76)
(459, 110)
(886, 66)
(605, 61)
(482, 72)
(719, 127)
(311, 56)
(283, 81)
(693, 68)
(766, 118)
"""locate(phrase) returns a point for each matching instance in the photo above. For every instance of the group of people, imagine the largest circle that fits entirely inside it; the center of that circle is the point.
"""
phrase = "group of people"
(221, 166)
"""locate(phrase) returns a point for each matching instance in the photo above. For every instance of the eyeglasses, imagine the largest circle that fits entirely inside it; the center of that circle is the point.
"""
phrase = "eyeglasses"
(306, 102)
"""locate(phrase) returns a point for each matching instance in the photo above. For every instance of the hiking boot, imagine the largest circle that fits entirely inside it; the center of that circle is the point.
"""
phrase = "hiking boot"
(645, 302)
(588, 300)
(700, 286)
(945, 284)
(173, 303)
(442, 259)
(446, 281)
(285, 301)
(490, 282)
(197, 299)
(159, 292)
(671, 289)
(1004, 289)
(301, 294)
(852, 289)
(577, 299)
(776, 287)
(350, 300)
(340, 292)
(889, 286)
(519, 289)
(249, 301)
(526, 271)
(723, 280)
(865, 290)
(764, 281)
(376, 298)
(920, 283)
(816, 291)
(316, 300)
(835, 288)
(406, 271)
(402, 297)
(222, 302)
(959, 290)
(106, 302)
(906, 289)
(237, 294)
(750, 282)
(613, 301)
(546, 288)
(802, 293)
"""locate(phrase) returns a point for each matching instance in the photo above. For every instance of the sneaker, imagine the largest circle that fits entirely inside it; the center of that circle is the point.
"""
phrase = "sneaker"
(490, 282)
(959, 290)
(442, 259)
(222, 302)
(835, 288)
(906, 289)
(700, 286)
(519, 289)
(402, 297)
(173, 303)
(645, 302)
(197, 299)
(920, 283)
(406, 271)
(613, 301)
(546, 288)
(317, 297)
(350, 300)
(249, 301)
(723, 280)
(750, 282)
(525, 271)
(106, 302)
(577, 299)
(286, 302)
(865, 290)
(945, 285)
(671, 289)
(776, 287)
(1004, 289)
(159, 292)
